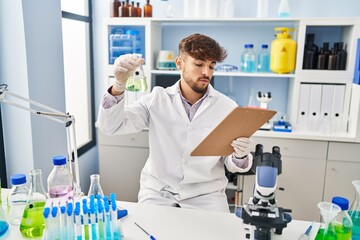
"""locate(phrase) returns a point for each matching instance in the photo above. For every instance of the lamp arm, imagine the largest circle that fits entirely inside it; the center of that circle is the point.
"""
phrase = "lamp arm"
(57, 116)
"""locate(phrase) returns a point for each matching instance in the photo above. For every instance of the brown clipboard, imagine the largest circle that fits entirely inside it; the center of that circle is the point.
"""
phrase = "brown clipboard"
(240, 122)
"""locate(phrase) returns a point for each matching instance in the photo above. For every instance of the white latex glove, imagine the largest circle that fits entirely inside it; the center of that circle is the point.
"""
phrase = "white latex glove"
(124, 67)
(242, 147)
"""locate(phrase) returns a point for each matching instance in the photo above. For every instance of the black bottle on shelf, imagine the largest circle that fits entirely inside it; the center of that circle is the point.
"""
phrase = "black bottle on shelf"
(321, 60)
(310, 52)
(332, 59)
(341, 57)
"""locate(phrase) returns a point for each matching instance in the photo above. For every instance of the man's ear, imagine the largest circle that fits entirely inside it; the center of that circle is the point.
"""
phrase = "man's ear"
(178, 62)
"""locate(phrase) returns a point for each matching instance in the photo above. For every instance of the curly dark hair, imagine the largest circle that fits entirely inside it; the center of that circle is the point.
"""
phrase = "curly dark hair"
(202, 47)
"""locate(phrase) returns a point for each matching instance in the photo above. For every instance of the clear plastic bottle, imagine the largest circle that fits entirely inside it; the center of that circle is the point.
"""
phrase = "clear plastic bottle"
(342, 222)
(33, 222)
(248, 59)
(95, 187)
(60, 182)
(263, 63)
(17, 198)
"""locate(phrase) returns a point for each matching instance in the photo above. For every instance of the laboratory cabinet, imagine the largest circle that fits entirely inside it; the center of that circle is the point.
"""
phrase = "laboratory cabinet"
(313, 168)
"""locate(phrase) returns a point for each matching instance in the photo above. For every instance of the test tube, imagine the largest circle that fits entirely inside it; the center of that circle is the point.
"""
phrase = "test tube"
(117, 234)
(109, 234)
(70, 221)
(101, 220)
(86, 220)
(94, 226)
(78, 221)
(54, 223)
(46, 214)
(63, 222)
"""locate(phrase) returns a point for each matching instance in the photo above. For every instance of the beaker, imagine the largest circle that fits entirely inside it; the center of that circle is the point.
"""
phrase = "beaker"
(328, 212)
(95, 187)
(137, 82)
(33, 222)
(4, 225)
(354, 212)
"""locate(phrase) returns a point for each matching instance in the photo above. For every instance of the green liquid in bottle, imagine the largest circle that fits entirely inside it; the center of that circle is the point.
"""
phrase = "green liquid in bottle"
(342, 232)
(321, 235)
(33, 222)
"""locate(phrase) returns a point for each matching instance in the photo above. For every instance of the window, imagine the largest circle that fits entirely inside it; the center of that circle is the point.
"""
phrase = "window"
(78, 69)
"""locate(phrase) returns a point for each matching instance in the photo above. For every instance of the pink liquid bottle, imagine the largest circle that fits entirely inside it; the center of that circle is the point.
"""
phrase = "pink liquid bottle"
(60, 182)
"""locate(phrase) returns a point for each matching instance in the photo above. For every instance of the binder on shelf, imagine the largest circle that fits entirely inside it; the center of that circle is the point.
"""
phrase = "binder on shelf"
(314, 106)
(304, 100)
(326, 101)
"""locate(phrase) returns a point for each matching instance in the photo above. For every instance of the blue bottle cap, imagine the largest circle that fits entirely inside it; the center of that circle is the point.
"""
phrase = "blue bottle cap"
(132, 32)
(46, 212)
(54, 211)
(59, 160)
(18, 179)
(264, 46)
(343, 203)
(69, 209)
(62, 209)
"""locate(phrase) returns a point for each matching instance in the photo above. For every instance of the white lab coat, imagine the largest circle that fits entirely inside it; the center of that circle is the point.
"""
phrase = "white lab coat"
(170, 174)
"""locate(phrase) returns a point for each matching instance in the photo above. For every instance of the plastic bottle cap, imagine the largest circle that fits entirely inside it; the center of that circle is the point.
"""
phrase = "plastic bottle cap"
(264, 46)
(59, 160)
(343, 203)
(249, 45)
(18, 179)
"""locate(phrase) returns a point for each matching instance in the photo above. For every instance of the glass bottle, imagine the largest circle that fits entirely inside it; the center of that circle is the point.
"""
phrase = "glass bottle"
(126, 9)
(137, 82)
(342, 222)
(328, 212)
(114, 8)
(284, 10)
(33, 222)
(17, 198)
(147, 9)
(132, 10)
(310, 53)
(354, 211)
(60, 182)
(95, 187)
(248, 59)
(138, 10)
(341, 57)
(263, 63)
(4, 225)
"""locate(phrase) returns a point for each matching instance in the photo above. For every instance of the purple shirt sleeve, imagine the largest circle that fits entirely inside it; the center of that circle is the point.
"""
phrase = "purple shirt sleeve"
(109, 100)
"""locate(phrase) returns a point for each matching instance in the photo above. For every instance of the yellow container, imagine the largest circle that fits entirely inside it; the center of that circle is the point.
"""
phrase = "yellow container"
(283, 51)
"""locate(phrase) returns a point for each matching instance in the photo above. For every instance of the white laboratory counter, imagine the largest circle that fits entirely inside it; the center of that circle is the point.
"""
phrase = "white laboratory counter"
(166, 223)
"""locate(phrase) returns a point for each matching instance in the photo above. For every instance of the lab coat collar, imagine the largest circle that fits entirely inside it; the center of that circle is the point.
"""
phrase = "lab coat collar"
(174, 91)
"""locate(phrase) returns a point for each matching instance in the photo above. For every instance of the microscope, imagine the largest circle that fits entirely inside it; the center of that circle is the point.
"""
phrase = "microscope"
(262, 218)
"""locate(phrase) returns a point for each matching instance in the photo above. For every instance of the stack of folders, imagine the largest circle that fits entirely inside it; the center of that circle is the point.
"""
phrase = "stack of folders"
(321, 108)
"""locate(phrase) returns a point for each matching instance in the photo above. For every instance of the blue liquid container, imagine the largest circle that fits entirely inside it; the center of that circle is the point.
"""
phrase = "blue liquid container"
(263, 63)
(354, 212)
(248, 59)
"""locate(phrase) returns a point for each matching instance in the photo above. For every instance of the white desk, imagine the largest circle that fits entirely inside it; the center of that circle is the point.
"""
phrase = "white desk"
(168, 223)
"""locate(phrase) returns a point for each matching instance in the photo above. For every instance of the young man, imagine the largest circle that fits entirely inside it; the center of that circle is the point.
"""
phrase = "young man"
(178, 119)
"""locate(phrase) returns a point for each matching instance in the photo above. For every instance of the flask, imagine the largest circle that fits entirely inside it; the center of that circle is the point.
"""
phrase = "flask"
(16, 199)
(33, 222)
(284, 10)
(328, 212)
(95, 187)
(283, 51)
(263, 63)
(60, 182)
(342, 222)
(138, 10)
(147, 9)
(114, 8)
(4, 225)
(248, 59)
(354, 211)
(137, 82)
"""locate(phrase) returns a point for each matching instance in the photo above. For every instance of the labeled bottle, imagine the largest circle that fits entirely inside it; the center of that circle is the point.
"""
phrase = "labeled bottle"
(342, 222)
(263, 63)
(114, 8)
(138, 10)
(354, 211)
(248, 59)
(341, 57)
(33, 222)
(95, 187)
(310, 52)
(60, 182)
(17, 198)
(147, 9)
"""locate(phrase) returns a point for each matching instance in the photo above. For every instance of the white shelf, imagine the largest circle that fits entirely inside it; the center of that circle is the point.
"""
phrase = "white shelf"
(229, 74)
